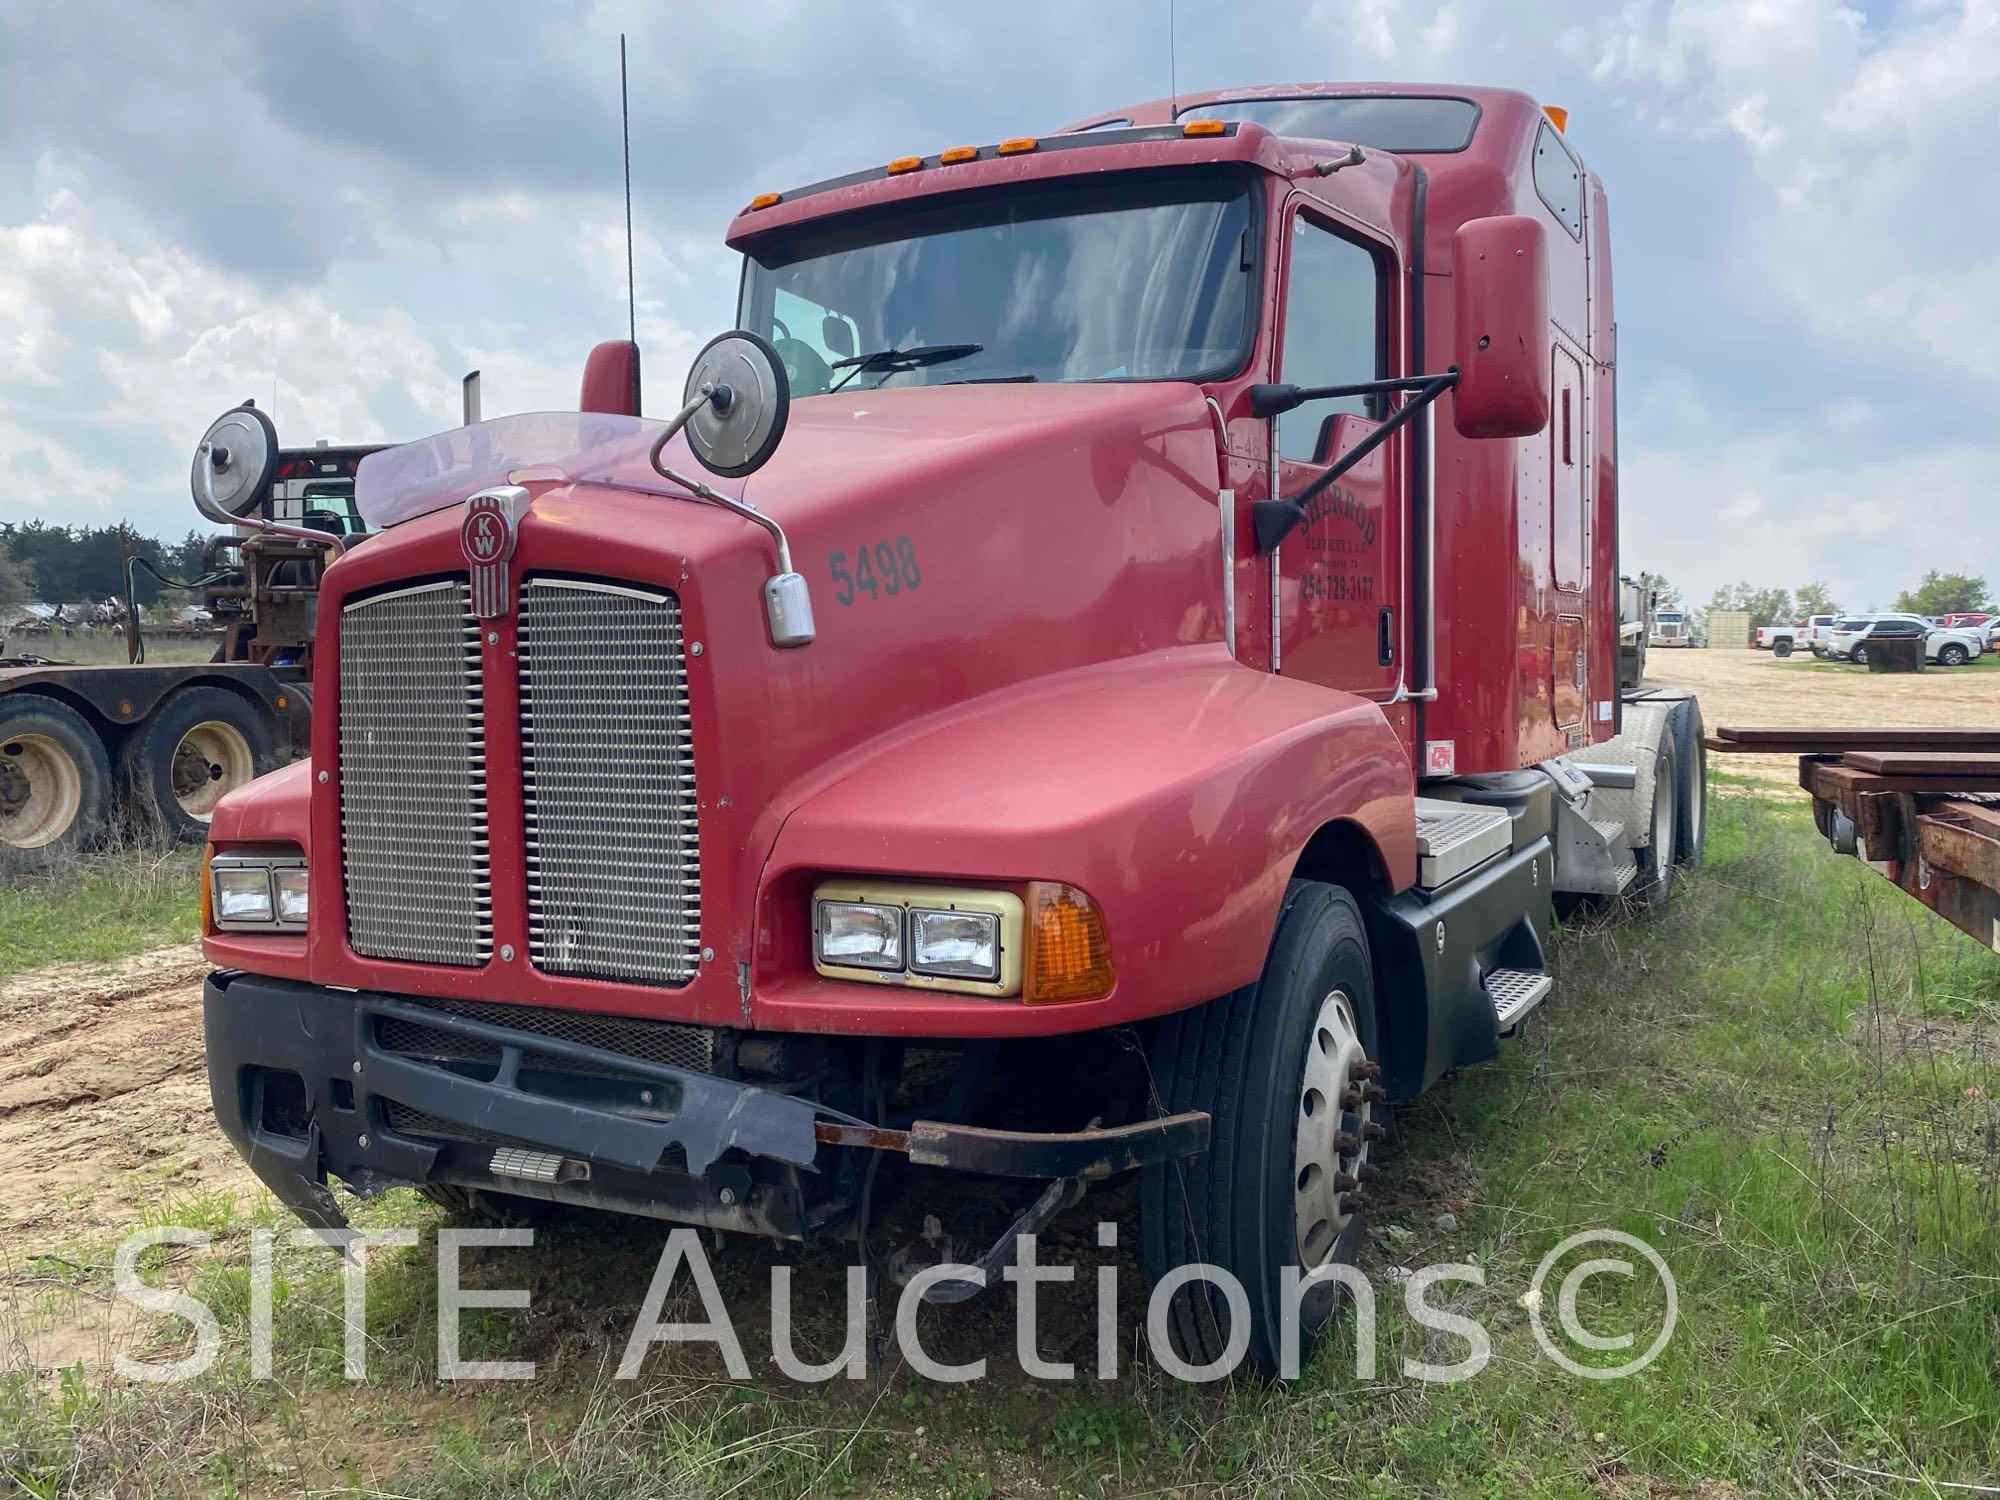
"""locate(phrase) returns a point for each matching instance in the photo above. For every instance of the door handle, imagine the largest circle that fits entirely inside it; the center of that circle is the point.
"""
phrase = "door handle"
(1385, 638)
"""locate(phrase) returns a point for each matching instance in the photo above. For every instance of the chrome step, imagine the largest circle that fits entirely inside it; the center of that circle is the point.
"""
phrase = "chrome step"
(1453, 837)
(1514, 993)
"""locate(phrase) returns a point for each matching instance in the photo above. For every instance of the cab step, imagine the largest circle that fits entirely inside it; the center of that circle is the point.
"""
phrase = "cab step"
(1454, 837)
(1514, 993)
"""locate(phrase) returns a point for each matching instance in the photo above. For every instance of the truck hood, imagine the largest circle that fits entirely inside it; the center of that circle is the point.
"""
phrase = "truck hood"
(831, 443)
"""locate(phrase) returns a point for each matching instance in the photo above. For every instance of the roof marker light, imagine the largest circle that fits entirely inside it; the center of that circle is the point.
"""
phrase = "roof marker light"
(763, 200)
(905, 164)
(958, 154)
(1558, 116)
(1204, 127)
(1017, 145)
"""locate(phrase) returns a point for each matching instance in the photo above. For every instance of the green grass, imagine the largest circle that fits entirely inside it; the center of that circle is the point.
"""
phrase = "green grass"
(1785, 1082)
(1987, 661)
(98, 907)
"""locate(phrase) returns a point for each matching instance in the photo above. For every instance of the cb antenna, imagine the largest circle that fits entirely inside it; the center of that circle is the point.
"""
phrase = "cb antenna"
(1173, 67)
(625, 116)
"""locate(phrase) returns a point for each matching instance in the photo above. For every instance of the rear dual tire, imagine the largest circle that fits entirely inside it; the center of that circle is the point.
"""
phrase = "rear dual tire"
(55, 782)
(1282, 1180)
(194, 749)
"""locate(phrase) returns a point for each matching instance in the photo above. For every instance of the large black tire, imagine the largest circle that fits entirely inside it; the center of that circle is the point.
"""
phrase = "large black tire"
(1691, 811)
(1244, 1058)
(198, 745)
(55, 782)
(1951, 654)
(1658, 861)
(1782, 648)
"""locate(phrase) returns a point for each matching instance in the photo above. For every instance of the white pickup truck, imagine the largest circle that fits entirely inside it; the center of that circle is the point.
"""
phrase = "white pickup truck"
(1783, 640)
(1948, 648)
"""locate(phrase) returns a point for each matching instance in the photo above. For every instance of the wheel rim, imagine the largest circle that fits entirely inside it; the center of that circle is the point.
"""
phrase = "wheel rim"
(1665, 801)
(212, 759)
(41, 791)
(1330, 1155)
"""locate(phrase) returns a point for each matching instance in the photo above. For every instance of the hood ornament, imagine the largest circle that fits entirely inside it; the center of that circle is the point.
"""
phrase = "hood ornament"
(487, 535)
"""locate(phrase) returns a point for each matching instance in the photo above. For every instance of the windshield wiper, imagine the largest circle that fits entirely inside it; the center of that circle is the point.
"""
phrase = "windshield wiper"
(915, 357)
(1021, 379)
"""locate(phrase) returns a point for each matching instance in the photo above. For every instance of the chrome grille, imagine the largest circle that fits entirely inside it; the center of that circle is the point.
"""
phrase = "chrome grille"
(413, 777)
(614, 878)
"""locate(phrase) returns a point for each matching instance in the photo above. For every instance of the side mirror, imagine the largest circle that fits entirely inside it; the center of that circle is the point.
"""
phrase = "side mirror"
(738, 401)
(749, 401)
(1500, 314)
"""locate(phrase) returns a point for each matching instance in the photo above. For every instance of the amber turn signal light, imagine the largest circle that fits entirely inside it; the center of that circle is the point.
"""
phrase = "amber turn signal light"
(207, 899)
(1558, 117)
(763, 200)
(1069, 957)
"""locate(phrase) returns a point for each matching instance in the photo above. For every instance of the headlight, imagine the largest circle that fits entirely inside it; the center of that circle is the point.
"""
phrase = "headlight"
(258, 892)
(959, 944)
(856, 934)
(292, 894)
(242, 895)
(932, 937)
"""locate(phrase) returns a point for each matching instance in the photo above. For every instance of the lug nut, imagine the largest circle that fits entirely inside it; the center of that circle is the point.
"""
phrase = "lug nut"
(1374, 1093)
(1369, 1172)
(1374, 1132)
(1346, 1183)
(1352, 1203)
(1350, 1100)
(1365, 1070)
(1345, 1141)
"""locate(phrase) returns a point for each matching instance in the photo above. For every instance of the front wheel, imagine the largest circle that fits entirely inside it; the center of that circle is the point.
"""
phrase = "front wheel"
(1953, 655)
(1286, 1069)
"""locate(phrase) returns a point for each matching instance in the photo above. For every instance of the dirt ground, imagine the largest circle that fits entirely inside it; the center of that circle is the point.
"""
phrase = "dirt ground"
(103, 1101)
(1756, 690)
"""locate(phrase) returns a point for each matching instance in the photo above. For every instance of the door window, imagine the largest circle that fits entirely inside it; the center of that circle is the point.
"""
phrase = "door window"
(1333, 333)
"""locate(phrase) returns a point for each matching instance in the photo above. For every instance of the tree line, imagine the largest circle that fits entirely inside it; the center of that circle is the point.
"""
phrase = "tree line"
(61, 564)
(1939, 593)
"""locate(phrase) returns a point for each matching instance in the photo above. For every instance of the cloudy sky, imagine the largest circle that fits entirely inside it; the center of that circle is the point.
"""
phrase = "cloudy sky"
(339, 210)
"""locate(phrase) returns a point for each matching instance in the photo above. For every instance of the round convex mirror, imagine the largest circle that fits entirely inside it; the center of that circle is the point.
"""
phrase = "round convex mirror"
(739, 427)
(240, 453)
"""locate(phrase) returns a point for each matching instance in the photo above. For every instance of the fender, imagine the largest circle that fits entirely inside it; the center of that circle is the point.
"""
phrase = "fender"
(1177, 788)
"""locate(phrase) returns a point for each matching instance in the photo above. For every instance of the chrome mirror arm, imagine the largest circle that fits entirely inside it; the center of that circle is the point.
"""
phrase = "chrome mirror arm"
(787, 601)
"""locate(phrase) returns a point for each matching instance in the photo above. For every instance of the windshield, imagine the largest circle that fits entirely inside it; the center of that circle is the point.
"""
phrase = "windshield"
(1401, 125)
(1148, 279)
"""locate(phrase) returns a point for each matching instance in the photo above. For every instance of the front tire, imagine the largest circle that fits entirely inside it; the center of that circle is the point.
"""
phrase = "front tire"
(1286, 1070)
(1953, 655)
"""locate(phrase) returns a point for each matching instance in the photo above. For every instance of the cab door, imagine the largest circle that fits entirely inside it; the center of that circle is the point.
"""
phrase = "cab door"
(1338, 612)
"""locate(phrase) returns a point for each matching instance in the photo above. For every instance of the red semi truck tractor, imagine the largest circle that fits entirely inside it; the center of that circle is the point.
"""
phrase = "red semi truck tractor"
(1108, 672)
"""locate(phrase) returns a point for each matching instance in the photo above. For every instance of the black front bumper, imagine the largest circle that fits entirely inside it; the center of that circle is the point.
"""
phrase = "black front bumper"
(304, 1087)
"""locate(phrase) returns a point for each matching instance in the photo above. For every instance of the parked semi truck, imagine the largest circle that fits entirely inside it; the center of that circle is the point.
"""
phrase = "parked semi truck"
(1106, 673)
